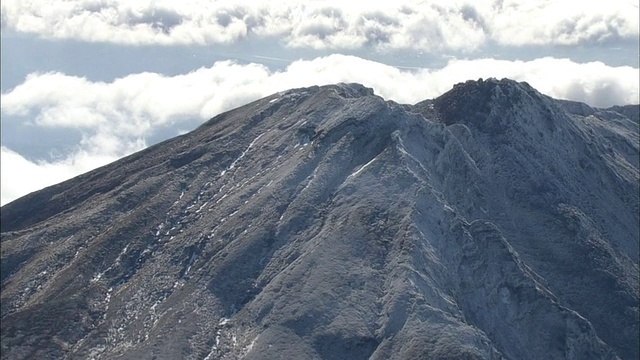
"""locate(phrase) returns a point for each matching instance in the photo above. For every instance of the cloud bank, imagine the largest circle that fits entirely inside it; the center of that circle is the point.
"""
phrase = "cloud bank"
(118, 117)
(20, 176)
(457, 25)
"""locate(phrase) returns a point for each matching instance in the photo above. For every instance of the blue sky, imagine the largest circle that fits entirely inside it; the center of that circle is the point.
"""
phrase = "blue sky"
(85, 82)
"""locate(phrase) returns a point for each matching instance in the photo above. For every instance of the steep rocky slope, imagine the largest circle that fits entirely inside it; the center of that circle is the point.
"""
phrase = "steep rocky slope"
(326, 223)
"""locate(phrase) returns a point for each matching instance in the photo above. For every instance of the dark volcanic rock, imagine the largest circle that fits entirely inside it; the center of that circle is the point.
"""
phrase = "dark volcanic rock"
(326, 223)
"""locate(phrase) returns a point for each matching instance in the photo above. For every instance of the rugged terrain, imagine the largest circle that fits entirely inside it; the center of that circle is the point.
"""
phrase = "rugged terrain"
(492, 222)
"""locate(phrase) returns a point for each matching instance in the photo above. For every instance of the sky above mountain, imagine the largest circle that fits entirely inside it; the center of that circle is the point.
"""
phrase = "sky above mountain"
(85, 82)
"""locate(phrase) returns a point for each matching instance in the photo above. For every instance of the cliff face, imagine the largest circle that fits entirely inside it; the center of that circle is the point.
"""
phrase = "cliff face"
(326, 223)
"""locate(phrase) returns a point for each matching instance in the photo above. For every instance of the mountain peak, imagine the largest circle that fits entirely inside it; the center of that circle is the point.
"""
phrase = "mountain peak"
(499, 107)
(328, 223)
(479, 98)
(506, 85)
(351, 90)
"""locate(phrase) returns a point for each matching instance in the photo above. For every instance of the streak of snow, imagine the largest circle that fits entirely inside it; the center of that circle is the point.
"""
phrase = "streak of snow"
(106, 301)
(201, 207)
(123, 252)
(404, 152)
(260, 189)
(242, 155)
(208, 357)
(250, 346)
(153, 307)
(223, 196)
(362, 168)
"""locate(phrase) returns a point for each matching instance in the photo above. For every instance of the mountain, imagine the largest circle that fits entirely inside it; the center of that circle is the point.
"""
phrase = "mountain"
(492, 222)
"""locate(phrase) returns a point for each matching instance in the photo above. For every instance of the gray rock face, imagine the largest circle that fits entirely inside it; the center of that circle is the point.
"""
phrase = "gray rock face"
(326, 223)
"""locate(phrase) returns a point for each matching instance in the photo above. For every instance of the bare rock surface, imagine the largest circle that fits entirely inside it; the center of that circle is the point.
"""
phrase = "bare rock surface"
(492, 222)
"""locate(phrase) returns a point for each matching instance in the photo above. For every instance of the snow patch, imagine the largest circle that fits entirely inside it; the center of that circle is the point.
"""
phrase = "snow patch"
(201, 207)
(223, 196)
(253, 342)
(242, 155)
(362, 168)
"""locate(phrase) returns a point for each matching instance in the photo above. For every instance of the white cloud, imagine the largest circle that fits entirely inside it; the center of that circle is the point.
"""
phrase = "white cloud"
(137, 103)
(562, 22)
(20, 176)
(462, 25)
(117, 118)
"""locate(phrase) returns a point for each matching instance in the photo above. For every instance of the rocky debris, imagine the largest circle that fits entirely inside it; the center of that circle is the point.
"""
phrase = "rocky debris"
(326, 223)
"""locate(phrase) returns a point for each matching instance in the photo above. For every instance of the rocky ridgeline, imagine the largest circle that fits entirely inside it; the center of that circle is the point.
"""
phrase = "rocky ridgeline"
(326, 223)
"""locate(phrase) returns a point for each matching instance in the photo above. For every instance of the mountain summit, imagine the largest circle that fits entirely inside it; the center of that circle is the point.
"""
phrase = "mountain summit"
(492, 222)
